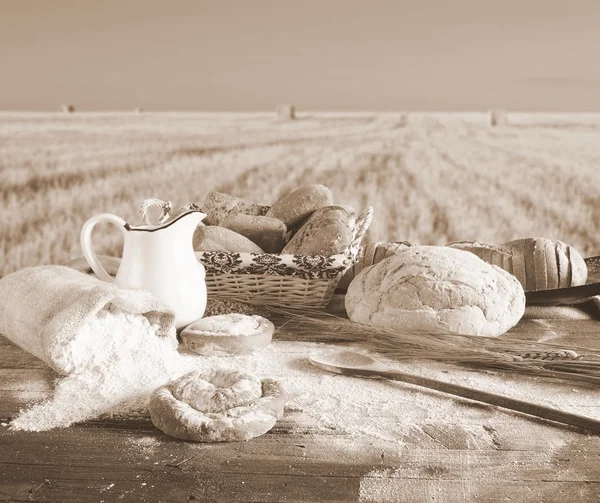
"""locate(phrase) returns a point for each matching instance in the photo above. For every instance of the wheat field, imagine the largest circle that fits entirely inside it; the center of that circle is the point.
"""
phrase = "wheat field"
(432, 178)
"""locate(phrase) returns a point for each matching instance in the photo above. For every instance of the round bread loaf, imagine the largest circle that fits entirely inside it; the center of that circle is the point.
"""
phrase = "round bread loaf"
(328, 231)
(297, 206)
(268, 233)
(217, 406)
(215, 238)
(227, 334)
(439, 289)
(217, 206)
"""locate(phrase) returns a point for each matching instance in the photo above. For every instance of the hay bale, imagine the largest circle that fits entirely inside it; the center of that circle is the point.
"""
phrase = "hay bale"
(285, 112)
(67, 109)
(498, 118)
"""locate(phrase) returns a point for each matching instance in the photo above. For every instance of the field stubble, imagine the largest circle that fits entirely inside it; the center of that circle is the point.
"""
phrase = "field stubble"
(432, 178)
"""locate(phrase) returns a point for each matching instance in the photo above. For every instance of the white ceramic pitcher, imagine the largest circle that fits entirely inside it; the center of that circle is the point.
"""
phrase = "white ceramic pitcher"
(157, 258)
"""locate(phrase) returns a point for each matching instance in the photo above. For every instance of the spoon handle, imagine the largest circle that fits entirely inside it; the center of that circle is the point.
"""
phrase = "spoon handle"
(544, 412)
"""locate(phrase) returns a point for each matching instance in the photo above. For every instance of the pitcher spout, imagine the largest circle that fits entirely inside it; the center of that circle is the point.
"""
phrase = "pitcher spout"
(187, 222)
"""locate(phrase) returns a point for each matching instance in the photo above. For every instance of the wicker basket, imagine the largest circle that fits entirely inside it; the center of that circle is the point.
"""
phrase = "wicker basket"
(280, 280)
(271, 279)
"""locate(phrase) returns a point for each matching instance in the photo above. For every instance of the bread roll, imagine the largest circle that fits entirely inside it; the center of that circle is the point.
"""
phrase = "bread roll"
(211, 237)
(227, 334)
(438, 289)
(208, 245)
(328, 231)
(217, 405)
(217, 206)
(268, 233)
(295, 207)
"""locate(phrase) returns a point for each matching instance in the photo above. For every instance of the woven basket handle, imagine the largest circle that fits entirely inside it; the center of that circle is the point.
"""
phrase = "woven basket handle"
(362, 224)
(165, 206)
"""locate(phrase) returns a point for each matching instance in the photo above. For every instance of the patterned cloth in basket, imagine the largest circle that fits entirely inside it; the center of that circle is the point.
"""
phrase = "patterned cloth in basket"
(300, 266)
(281, 280)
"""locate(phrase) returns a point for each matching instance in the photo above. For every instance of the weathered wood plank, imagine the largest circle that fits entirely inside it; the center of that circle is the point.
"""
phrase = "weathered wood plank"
(84, 448)
(108, 463)
(380, 489)
(583, 333)
(485, 457)
(81, 463)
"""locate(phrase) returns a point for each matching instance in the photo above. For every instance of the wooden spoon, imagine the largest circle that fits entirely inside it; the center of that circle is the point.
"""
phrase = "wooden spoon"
(356, 364)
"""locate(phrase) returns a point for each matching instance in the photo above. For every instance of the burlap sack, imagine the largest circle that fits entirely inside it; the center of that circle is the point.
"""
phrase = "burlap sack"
(42, 309)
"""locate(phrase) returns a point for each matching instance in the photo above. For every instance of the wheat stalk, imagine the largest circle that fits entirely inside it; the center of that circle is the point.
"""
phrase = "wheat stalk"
(581, 365)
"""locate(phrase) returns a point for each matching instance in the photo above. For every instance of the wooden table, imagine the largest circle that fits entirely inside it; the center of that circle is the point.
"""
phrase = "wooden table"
(133, 461)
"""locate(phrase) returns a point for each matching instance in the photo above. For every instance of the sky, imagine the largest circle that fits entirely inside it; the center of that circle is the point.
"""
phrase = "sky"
(320, 55)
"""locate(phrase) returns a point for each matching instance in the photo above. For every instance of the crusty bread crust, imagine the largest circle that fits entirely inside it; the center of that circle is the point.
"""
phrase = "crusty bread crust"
(295, 207)
(436, 288)
(328, 231)
(268, 233)
(227, 239)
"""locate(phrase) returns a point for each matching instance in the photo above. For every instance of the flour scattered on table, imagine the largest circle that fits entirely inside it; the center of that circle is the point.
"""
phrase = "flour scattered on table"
(135, 362)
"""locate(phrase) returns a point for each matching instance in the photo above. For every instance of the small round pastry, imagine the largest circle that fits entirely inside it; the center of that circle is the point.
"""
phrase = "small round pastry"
(218, 405)
(227, 334)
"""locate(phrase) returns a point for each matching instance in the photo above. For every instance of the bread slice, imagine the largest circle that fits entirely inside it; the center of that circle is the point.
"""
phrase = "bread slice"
(564, 265)
(539, 262)
(529, 256)
(551, 265)
(486, 253)
(369, 255)
(507, 263)
(498, 257)
(519, 270)
(578, 267)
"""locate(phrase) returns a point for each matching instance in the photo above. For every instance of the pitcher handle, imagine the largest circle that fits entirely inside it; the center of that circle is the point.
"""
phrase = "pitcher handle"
(86, 242)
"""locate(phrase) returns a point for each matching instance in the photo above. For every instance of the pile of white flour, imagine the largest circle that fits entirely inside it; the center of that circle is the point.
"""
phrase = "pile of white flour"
(135, 361)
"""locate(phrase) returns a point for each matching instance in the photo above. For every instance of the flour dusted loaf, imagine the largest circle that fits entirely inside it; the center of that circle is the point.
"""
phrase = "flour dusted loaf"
(268, 233)
(227, 334)
(216, 238)
(538, 263)
(436, 288)
(328, 231)
(217, 206)
(295, 207)
(217, 406)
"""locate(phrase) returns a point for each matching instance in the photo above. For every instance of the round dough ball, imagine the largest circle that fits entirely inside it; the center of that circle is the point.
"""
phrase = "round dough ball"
(436, 288)
(217, 406)
(227, 334)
